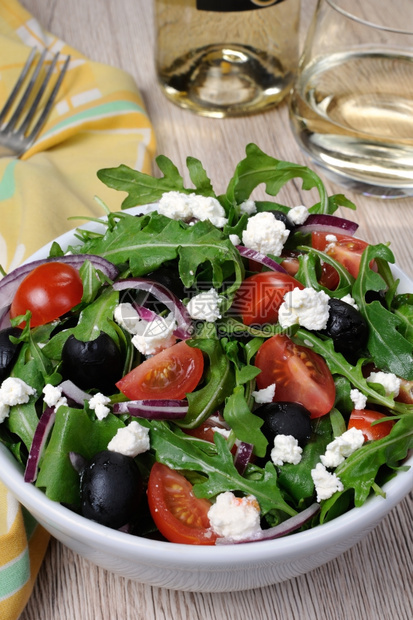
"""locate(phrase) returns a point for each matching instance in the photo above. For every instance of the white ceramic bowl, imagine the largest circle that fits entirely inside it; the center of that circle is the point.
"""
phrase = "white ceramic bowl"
(204, 568)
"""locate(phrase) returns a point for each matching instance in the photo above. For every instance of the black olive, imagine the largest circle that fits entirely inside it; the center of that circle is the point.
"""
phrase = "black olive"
(168, 276)
(8, 350)
(347, 327)
(94, 364)
(284, 418)
(376, 296)
(279, 215)
(111, 489)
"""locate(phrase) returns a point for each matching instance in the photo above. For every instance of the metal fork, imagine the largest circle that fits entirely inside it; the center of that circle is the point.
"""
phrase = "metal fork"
(19, 131)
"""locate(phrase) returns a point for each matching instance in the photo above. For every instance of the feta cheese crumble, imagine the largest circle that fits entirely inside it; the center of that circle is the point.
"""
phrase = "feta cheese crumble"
(235, 240)
(358, 398)
(180, 206)
(13, 391)
(265, 395)
(53, 396)
(350, 301)
(130, 440)
(205, 306)
(326, 483)
(342, 447)
(235, 517)
(298, 215)
(306, 307)
(286, 450)
(98, 403)
(149, 337)
(265, 234)
(388, 380)
(248, 206)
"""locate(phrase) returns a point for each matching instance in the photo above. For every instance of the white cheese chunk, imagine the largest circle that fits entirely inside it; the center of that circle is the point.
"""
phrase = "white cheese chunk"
(265, 234)
(358, 398)
(342, 447)
(99, 403)
(350, 301)
(53, 396)
(388, 380)
(130, 440)
(248, 206)
(235, 517)
(286, 450)
(265, 395)
(205, 306)
(180, 206)
(325, 482)
(306, 307)
(298, 215)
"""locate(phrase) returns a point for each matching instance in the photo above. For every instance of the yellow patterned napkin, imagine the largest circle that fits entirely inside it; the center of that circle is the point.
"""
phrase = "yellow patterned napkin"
(98, 121)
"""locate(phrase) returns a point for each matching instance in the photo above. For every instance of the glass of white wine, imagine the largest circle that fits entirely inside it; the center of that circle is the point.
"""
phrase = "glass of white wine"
(351, 107)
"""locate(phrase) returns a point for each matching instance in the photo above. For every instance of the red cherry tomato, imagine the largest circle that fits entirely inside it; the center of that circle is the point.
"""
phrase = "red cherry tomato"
(172, 373)
(260, 296)
(206, 431)
(300, 375)
(49, 291)
(363, 418)
(178, 514)
(346, 250)
(406, 392)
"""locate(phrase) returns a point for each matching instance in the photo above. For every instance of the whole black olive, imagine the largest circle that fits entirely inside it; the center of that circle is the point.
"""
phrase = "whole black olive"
(8, 350)
(94, 364)
(285, 418)
(347, 327)
(111, 489)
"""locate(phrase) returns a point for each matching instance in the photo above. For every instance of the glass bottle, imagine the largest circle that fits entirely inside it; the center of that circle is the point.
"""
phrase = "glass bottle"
(226, 57)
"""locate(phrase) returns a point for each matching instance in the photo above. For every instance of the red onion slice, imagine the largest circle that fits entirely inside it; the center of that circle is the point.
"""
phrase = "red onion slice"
(243, 456)
(74, 393)
(328, 223)
(260, 258)
(39, 440)
(11, 282)
(164, 295)
(153, 409)
(284, 528)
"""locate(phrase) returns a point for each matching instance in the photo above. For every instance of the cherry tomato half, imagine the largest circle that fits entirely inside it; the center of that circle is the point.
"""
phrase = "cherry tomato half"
(172, 373)
(300, 375)
(363, 418)
(49, 291)
(346, 250)
(259, 297)
(178, 514)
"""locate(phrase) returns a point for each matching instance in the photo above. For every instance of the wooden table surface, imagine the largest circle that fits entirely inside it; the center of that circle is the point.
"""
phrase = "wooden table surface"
(371, 581)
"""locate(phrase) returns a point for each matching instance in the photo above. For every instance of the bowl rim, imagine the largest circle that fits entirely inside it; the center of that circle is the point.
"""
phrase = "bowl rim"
(163, 553)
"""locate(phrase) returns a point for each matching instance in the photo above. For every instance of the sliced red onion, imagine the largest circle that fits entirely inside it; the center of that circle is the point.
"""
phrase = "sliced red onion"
(78, 462)
(11, 282)
(74, 393)
(243, 456)
(328, 223)
(153, 409)
(286, 527)
(165, 296)
(41, 434)
(260, 258)
(145, 313)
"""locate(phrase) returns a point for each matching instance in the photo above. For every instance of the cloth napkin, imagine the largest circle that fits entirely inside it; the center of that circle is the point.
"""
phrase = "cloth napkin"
(98, 121)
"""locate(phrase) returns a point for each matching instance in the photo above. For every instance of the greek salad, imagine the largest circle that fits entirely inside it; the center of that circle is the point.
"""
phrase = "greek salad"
(215, 369)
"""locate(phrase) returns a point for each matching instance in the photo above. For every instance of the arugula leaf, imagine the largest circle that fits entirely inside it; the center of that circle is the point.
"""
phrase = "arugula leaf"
(243, 422)
(146, 243)
(360, 470)
(403, 308)
(387, 346)
(142, 188)
(219, 383)
(307, 272)
(183, 453)
(257, 168)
